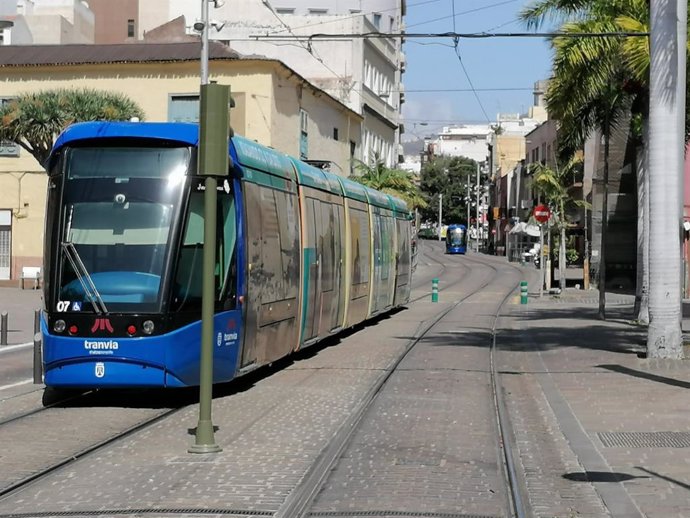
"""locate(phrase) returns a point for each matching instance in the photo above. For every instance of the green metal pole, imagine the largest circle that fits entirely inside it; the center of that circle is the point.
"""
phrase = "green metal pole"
(434, 290)
(213, 162)
(205, 441)
(523, 292)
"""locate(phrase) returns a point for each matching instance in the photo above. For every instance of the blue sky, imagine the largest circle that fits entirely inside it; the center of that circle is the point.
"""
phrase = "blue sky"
(492, 63)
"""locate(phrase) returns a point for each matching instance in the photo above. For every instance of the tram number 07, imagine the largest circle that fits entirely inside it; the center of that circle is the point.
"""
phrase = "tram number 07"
(63, 305)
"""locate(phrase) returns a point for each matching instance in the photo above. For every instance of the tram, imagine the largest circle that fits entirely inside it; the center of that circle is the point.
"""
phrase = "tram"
(301, 254)
(456, 239)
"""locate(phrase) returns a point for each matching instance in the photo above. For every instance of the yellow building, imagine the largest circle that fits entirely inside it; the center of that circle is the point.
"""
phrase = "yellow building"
(273, 105)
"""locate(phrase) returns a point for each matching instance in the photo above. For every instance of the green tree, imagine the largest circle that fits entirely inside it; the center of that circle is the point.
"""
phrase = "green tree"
(657, 239)
(596, 82)
(34, 120)
(395, 182)
(450, 177)
(553, 185)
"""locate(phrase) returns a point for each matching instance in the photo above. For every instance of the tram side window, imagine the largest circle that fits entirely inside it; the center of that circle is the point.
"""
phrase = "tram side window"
(187, 290)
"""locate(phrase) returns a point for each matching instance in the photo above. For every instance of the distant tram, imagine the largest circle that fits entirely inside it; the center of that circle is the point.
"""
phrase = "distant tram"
(456, 239)
(301, 254)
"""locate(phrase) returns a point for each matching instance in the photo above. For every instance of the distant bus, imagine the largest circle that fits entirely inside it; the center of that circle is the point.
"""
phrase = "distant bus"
(456, 239)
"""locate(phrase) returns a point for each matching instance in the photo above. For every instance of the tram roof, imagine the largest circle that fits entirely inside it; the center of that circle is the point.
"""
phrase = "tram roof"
(254, 155)
(353, 190)
(316, 178)
(380, 199)
(399, 206)
(183, 132)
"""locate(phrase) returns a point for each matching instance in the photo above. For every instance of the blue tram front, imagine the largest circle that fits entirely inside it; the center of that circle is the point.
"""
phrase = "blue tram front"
(456, 239)
(123, 255)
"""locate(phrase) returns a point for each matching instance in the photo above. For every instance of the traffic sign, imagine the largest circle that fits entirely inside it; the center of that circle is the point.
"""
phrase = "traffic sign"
(542, 213)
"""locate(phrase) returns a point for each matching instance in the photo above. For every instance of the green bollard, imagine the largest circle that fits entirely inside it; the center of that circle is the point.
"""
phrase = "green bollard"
(523, 292)
(434, 290)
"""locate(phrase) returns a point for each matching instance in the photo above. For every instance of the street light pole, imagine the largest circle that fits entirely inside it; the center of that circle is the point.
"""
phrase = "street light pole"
(477, 210)
(204, 42)
(467, 202)
(440, 214)
(212, 162)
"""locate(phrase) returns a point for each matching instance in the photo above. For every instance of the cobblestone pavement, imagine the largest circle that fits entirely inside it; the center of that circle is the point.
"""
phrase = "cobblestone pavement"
(600, 431)
(20, 306)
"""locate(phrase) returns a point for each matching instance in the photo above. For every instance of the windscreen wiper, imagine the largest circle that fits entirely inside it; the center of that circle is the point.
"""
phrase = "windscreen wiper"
(84, 278)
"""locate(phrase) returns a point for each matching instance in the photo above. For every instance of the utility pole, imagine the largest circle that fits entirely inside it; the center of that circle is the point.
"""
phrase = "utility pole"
(467, 202)
(477, 210)
(440, 214)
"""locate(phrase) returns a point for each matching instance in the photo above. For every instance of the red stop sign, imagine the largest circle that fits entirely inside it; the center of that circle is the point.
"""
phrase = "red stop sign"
(542, 213)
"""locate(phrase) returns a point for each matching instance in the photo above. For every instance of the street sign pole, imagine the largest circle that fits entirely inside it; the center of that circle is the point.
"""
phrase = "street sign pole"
(542, 214)
(541, 260)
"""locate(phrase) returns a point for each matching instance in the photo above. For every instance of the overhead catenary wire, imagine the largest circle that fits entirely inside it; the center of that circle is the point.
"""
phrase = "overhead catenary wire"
(452, 35)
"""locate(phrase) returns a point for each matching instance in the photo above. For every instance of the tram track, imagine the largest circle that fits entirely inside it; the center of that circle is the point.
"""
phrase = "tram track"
(300, 501)
(94, 426)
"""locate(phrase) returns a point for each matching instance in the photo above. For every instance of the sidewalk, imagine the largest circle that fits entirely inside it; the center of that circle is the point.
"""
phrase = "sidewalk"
(619, 421)
(20, 305)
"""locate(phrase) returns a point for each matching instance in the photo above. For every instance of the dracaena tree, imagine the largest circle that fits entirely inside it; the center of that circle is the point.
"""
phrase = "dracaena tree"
(34, 120)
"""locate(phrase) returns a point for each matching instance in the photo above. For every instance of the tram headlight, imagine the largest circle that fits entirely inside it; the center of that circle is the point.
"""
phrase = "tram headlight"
(59, 326)
(147, 327)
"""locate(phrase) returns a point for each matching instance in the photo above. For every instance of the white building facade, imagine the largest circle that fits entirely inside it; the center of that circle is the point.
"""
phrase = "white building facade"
(365, 74)
(470, 141)
(46, 22)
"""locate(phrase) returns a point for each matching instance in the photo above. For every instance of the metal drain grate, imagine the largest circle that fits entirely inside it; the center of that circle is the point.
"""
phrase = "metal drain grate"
(402, 514)
(239, 513)
(645, 439)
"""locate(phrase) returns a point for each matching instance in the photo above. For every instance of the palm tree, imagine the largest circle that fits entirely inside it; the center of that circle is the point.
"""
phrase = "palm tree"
(591, 76)
(34, 120)
(667, 106)
(553, 185)
(395, 182)
(587, 93)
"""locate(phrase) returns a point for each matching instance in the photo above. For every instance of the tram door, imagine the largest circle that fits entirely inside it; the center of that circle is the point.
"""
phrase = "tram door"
(273, 274)
(325, 289)
(332, 279)
(379, 260)
(314, 261)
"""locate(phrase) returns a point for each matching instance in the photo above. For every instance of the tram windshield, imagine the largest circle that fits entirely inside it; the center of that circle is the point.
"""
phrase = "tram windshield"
(456, 236)
(117, 213)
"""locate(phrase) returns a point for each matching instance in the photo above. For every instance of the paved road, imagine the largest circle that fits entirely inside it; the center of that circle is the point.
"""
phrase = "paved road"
(20, 306)
(600, 430)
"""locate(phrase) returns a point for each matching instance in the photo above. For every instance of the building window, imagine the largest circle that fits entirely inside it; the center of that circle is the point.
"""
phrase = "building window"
(377, 20)
(318, 12)
(7, 148)
(335, 133)
(183, 108)
(285, 10)
(130, 28)
(303, 135)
